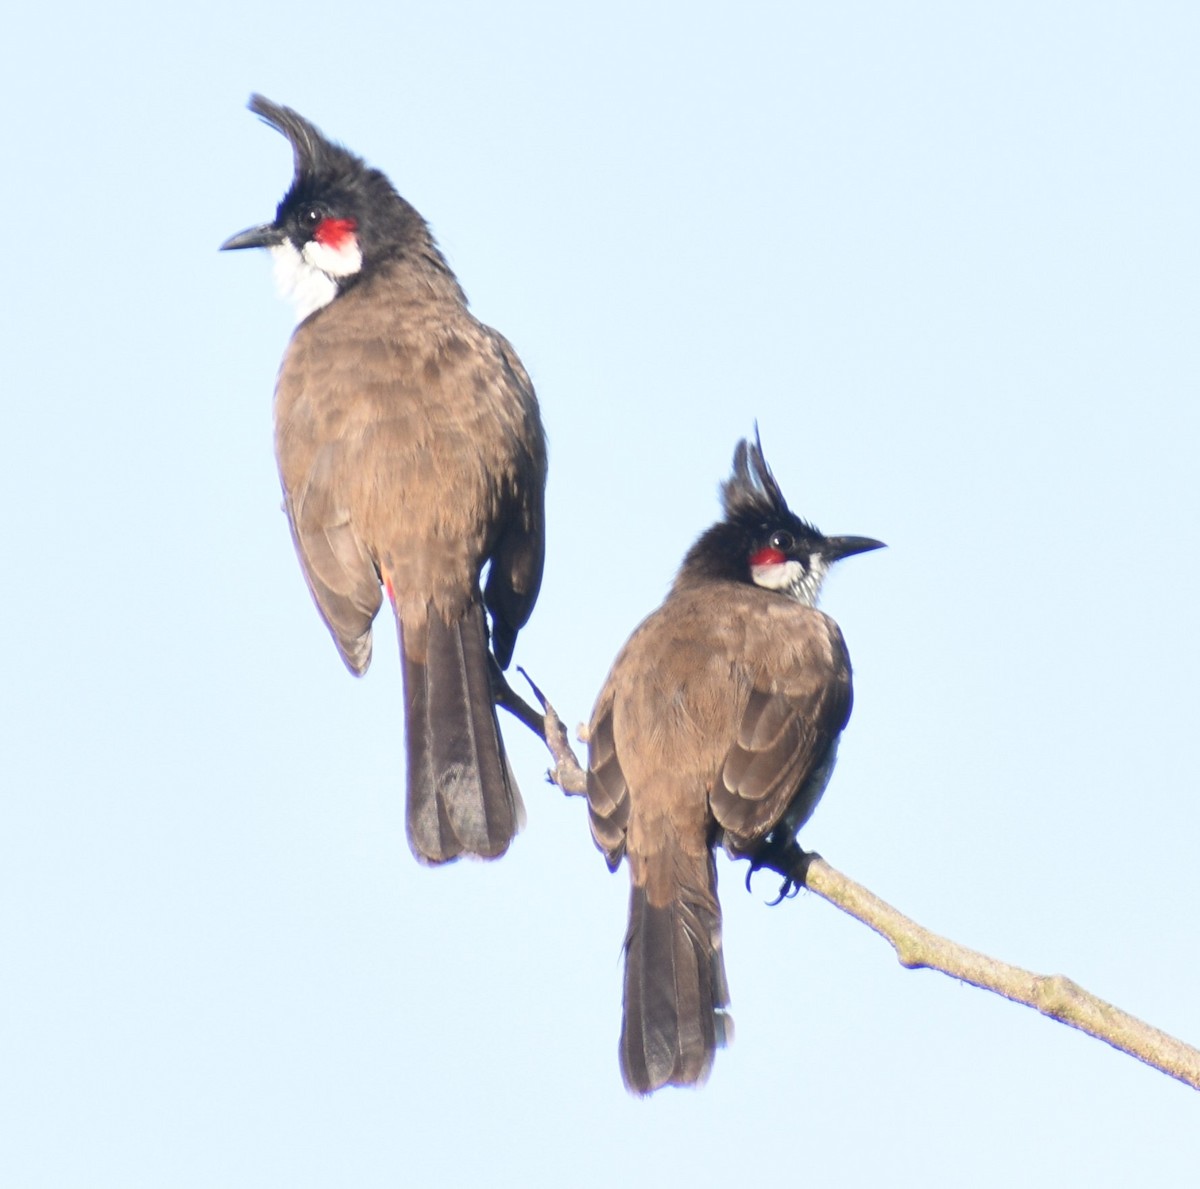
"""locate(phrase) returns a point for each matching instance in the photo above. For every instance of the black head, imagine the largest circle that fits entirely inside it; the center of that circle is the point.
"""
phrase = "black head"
(339, 219)
(761, 540)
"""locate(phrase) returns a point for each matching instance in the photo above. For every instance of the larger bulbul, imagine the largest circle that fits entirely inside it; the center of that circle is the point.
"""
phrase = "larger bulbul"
(718, 723)
(411, 453)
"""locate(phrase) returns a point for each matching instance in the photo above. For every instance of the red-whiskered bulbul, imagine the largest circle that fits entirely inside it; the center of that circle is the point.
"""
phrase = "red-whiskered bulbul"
(411, 453)
(718, 725)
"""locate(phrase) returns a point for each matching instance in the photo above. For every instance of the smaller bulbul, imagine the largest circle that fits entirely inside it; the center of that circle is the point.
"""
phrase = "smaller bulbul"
(411, 454)
(718, 725)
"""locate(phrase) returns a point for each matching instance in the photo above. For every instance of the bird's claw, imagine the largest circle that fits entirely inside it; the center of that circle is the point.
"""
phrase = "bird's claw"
(787, 890)
(780, 855)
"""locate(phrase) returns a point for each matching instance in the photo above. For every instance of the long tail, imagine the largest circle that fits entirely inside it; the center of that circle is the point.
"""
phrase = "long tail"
(675, 988)
(462, 798)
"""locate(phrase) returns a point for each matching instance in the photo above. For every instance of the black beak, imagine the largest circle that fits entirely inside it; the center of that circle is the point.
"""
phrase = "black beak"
(266, 236)
(835, 548)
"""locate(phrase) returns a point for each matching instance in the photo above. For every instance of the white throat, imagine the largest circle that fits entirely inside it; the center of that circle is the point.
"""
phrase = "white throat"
(309, 278)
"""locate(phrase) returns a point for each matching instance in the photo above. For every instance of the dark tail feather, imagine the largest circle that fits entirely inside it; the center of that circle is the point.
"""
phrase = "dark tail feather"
(462, 798)
(675, 988)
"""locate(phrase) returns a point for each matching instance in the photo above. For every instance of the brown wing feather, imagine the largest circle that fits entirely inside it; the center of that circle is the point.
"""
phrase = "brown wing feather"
(336, 565)
(787, 729)
(607, 789)
(515, 573)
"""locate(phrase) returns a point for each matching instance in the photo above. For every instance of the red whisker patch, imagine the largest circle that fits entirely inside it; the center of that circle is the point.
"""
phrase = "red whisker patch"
(334, 233)
(768, 557)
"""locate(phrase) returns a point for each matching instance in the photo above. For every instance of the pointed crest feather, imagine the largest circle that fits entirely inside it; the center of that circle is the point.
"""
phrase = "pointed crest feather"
(312, 152)
(751, 488)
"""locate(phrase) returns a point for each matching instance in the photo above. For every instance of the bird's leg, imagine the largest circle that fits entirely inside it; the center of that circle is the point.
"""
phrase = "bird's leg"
(780, 852)
(504, 695)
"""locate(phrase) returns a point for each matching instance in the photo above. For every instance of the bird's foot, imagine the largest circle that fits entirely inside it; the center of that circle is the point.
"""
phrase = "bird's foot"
(782, 854)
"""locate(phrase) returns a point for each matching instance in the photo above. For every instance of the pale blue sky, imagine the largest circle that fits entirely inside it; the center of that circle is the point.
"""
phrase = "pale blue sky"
(947, 255)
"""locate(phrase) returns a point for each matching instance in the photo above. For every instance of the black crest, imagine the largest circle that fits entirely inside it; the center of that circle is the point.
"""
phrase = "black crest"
(315, 158)
(754, 510)
(751, 492)
(331, 178)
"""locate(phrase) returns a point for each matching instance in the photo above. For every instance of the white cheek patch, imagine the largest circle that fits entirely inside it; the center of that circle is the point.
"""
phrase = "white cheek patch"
(782, 575)
(792, 579)
(306, 287)
(342, 261)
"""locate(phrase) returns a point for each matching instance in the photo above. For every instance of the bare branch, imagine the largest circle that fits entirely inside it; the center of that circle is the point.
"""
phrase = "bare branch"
(1053, 995)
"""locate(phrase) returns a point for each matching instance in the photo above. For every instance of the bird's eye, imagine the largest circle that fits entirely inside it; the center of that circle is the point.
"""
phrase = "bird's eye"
(782, 540)
(312, 217)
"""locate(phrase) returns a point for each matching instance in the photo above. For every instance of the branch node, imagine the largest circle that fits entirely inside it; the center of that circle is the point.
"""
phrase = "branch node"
(1055, 994)
(910, 953)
